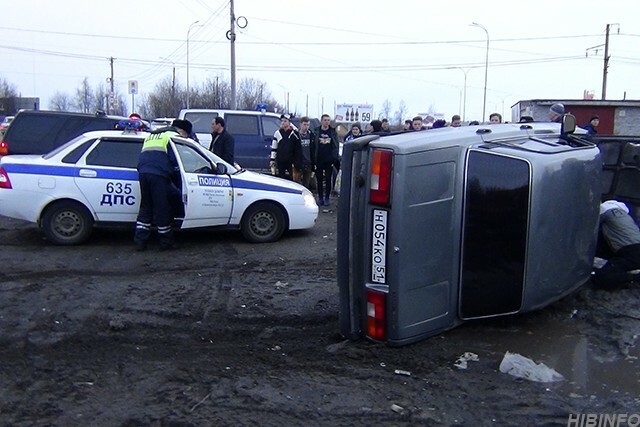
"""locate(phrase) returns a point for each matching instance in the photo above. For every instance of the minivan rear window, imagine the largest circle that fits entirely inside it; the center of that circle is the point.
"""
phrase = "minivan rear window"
(36, 135)
(39, 133)
(201, 121)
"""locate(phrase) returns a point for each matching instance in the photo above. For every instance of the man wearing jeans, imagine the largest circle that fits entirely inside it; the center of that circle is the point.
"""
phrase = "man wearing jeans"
(324, 153)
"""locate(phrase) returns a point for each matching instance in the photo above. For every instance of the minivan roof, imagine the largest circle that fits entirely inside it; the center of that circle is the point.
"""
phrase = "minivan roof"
(70, 113)
(222, 111)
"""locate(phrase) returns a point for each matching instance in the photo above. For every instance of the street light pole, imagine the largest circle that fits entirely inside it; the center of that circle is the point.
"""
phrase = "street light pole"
(188, 31)
(286, 99)
(464, 96)
(486, 69)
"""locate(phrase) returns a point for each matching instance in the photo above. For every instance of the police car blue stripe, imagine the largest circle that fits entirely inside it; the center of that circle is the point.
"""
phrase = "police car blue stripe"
(39, 169)
(72, 171)
(124, 174)
(127, 175)
(249, 185)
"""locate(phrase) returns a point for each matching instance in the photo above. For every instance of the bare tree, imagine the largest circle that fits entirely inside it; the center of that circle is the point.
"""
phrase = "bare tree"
(216, 93)
(400, 114)
(100, 98)
(164, 100)
(60, 102)
(168, 97)
(8, 98)
(386, 109)
(7, 90)
(85, 98)
(251, 92)
(143, 106)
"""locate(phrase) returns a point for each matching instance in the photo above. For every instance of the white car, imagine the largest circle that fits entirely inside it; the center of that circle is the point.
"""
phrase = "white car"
(93, 180)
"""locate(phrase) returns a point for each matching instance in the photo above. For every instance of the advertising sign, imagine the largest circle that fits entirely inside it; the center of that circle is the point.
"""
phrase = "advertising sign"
(362, 113)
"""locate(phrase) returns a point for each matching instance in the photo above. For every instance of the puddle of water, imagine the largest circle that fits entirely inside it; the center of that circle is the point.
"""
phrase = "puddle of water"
(563, 348)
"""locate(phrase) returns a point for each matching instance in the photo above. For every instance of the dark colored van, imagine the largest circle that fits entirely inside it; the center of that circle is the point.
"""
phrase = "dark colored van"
(38, 132)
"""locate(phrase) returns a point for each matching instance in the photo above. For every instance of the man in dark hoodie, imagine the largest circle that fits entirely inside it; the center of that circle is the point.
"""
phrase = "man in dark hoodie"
(590, 127)
(155, 168)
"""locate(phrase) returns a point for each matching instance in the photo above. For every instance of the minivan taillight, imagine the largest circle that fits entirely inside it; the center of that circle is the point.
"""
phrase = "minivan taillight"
(376, 314)
(380, 190)
(4, 179)
(4, 148)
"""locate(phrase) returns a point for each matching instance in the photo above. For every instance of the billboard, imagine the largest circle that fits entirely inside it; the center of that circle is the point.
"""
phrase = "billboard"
(351, 113)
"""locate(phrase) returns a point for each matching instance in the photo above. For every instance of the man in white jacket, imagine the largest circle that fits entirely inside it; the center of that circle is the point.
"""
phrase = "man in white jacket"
(622, 235)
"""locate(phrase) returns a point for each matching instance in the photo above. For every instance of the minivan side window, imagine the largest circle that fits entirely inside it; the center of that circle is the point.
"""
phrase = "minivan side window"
(242, 124)
(201, 121)
(270, 125)
(121, 154)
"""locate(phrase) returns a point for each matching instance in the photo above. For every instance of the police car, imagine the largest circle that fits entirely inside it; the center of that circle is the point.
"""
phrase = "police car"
(92, 180)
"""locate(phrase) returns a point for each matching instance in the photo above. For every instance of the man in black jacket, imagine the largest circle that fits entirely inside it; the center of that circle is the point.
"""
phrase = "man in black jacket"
(222, 143)
(324, 154)
(286, 149)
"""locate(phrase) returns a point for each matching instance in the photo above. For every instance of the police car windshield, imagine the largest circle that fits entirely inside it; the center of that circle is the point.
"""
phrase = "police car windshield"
(194, 157)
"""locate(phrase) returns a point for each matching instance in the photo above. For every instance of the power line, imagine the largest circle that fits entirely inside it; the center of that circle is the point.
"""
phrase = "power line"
(379, 43)
(345, 67)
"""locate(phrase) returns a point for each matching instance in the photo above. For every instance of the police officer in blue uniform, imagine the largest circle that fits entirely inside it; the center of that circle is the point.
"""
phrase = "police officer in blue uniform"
(156, 166)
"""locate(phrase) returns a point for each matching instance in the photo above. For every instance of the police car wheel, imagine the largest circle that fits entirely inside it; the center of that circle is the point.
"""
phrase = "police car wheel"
(67, 223)
(263, 222)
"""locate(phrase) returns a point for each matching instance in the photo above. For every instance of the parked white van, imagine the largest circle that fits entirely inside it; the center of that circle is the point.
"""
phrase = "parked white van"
(252, 131)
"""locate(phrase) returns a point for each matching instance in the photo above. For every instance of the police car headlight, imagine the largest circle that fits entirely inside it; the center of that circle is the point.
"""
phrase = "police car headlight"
(309, 200)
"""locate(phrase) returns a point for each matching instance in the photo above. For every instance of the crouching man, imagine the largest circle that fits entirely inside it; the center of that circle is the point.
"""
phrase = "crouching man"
(622, 236)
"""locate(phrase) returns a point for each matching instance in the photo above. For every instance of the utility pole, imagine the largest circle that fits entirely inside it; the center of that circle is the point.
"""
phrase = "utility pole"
(173, 83)
(113, 95)
(606, 61)
(241, 22)
(231, 35)
(606, 64)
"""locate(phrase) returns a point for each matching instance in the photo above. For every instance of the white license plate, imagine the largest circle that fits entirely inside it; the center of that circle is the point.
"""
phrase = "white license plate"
(379, 247)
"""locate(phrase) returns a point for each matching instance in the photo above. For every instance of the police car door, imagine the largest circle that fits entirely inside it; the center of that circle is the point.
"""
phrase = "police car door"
(107, 177)
(207, 197)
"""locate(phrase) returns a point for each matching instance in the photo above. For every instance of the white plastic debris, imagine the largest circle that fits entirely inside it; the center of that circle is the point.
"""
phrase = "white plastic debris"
(522, 367)
(461, 362)
(397, 408)
(401, 372)
(599, 262)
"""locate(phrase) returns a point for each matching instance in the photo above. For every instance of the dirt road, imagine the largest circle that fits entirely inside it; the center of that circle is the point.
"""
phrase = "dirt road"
(222, 332)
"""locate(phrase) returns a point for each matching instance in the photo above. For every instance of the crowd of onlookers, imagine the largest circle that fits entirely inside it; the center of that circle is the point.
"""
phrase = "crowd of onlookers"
(556, 111)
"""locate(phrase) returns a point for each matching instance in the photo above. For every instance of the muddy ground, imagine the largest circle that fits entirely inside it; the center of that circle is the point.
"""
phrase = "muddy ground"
(222, 332)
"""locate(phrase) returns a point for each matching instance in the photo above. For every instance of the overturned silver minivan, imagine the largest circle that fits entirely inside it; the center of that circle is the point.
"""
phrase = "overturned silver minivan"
(441, 226)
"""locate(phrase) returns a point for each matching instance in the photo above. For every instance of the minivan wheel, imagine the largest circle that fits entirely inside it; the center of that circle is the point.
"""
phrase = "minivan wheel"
(263, 222)
(66, 223)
